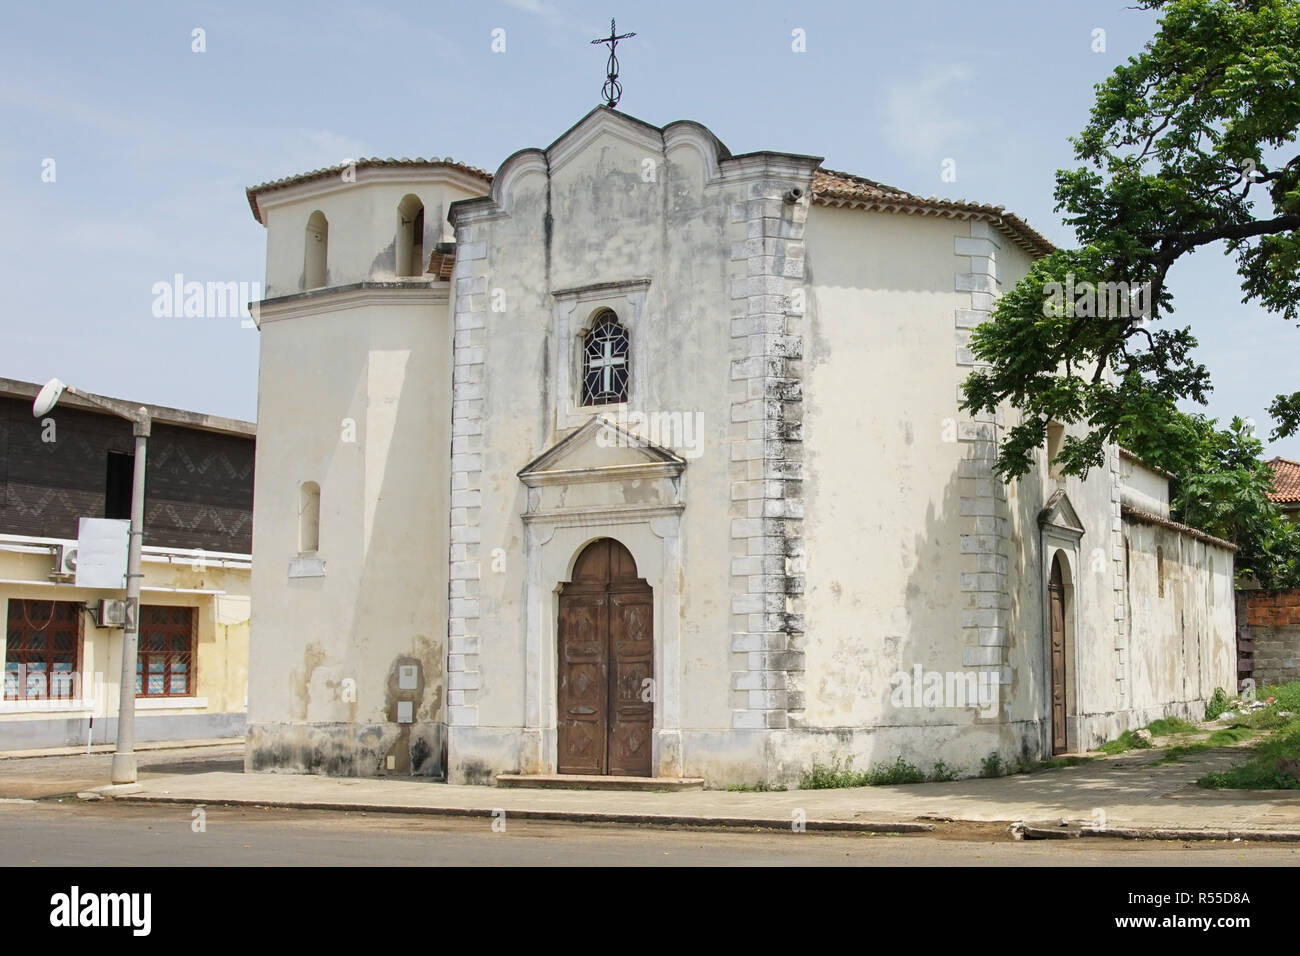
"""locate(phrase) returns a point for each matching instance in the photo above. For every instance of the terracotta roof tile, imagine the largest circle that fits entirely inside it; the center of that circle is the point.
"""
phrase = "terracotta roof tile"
(1146, 517)
(369, 163)
(442, 262)
(833, 188)
(1286, 480)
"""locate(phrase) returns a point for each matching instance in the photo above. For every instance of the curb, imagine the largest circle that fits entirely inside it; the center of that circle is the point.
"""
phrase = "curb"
(568, 816)
(1160, 833)
(1021, 831)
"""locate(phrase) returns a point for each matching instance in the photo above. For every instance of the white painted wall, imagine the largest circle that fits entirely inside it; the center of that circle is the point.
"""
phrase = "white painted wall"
(354, 394)
(363, 223)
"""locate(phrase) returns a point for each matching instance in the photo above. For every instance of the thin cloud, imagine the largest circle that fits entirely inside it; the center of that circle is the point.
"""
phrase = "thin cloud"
(924, 116)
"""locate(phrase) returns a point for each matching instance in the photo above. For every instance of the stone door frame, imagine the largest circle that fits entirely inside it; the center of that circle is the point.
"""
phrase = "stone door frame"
(1060, 533)
(552, 543)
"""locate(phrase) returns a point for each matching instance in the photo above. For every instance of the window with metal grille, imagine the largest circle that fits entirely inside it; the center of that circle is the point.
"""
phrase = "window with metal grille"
(164, 666)
(604, 362)
(42, 649)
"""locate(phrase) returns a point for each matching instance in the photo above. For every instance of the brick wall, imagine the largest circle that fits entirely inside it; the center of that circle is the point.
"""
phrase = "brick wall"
(1273, 619)
(198, 484)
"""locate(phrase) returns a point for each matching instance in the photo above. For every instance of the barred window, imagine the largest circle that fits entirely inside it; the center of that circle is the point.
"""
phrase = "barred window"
(42, 649)
(604, 362)
(164, 666)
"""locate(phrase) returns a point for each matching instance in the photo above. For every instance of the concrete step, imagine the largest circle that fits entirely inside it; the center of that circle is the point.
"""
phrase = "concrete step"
(581, 781)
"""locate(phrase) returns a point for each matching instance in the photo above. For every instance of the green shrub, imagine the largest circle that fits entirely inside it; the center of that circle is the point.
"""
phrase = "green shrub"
(900, 771)
(823, 777)
(942, 773)
(992, 766)
(1218, 703)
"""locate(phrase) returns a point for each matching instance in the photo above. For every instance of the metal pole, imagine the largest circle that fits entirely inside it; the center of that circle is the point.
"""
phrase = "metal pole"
(124, 757)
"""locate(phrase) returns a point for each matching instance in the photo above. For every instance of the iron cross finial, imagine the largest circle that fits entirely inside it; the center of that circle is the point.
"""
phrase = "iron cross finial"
(612, 90)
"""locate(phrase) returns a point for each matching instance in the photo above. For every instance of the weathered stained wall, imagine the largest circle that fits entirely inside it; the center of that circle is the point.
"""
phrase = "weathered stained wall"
(532, 269)
(1180, 623)
(354, 391)
(938, 567)
(1144, 488)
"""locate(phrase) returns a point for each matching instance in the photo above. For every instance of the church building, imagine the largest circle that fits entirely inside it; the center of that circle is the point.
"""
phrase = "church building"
(640, 457)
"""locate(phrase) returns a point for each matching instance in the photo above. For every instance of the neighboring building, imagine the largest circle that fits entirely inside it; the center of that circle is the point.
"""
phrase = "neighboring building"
(659, 469)
(1268, 622)
(61, 668)
(1286, 486)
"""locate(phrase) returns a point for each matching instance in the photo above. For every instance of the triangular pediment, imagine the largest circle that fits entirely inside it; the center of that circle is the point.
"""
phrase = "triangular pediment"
(601, 450)
(603, 123)
(1059, 514)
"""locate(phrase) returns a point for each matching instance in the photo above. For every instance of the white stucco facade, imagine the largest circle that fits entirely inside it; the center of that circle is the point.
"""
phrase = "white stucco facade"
(790, 472)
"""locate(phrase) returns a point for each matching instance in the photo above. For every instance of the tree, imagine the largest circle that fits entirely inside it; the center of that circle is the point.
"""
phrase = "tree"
(1174, 161)
(1221, 486)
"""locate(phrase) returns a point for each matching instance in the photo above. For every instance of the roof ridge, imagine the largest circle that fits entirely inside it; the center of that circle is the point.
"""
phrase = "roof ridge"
(857, 191)
(366, 162)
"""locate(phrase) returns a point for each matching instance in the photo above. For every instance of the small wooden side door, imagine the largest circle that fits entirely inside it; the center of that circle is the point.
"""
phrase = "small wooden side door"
(1056, 618)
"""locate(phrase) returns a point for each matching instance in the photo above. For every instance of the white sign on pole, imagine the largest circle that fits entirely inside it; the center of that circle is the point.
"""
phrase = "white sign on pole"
(101, 552)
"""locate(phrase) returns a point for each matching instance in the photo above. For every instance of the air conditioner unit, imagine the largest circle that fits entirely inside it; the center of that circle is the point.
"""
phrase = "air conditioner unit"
(110, 613)
(65, 561)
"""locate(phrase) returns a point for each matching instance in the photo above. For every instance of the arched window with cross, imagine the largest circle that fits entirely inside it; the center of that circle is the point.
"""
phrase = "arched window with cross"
(605, 361)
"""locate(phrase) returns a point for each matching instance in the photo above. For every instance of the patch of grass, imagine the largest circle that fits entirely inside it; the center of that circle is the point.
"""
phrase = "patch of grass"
(1286, 696)
(1268, 719)
(1175, 754)
(760, 787)
(823, 777)
(1261, 772)
(1123, 743)
(1166, 726)
(1231, 735)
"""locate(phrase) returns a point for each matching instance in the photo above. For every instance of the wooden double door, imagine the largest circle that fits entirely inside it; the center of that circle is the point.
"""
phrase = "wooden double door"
(606, 665)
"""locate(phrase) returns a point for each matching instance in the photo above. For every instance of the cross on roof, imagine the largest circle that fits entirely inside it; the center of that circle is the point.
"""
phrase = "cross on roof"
(612, 90)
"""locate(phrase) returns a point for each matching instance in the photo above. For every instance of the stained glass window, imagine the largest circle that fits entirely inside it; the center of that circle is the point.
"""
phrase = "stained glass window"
(605, 362)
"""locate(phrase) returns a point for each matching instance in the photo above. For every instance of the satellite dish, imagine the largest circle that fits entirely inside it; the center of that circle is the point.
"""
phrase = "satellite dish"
(48, 397)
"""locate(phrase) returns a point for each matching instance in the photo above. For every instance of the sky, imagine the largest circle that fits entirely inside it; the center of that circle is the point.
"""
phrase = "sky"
(153, 143)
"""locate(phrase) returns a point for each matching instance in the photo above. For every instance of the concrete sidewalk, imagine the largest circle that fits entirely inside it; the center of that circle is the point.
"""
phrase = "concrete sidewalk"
(1125, 796)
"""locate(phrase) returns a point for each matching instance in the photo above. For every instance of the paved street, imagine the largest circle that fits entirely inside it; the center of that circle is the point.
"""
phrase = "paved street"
(72, 833)
(43, 823)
